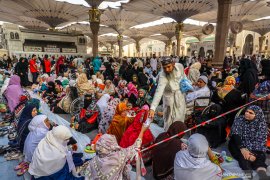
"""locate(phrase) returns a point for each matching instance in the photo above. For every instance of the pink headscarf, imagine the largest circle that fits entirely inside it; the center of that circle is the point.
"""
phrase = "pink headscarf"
(13, 92)
(132, 90)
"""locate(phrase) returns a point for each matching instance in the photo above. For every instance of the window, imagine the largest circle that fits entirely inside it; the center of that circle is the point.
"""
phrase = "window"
(17, 36)
(11, 35)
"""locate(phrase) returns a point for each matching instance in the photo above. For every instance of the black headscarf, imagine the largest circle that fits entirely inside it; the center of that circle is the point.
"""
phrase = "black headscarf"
(163, 163)
(248, 76)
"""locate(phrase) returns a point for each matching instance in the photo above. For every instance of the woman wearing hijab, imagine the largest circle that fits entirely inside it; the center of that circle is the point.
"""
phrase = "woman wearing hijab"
(120, 121)
(83, 85)
(128, 73)
(29, 112)
(52, 160)
(90, 110)
(108, 115)
(163, 162)
(141, 101)
(63, 106)
(248, 140)
(192, 164)
(13, 92)
(132, 132)
(38, 127)
(194, 72)
(248, 76)
(230, 97)
(96, 64)
(59, 65)
(121, 90)
(143, 79)
(21, 70)
(108, 73)
(102, 103)
(109, 88)
(132, 93)
(112, 161)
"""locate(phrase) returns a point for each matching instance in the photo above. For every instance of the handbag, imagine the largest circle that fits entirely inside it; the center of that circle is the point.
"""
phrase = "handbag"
(186, 85)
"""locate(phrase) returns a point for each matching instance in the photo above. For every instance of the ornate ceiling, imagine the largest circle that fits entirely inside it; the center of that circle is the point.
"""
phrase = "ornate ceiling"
(121, 20)
(262, 27)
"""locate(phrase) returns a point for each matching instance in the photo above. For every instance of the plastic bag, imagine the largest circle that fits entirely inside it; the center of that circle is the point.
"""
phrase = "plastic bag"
(185, 85)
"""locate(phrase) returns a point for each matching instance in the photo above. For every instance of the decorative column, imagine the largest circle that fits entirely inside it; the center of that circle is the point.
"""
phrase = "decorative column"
(223, 21)
(179, 33)
(138, 47)
(261, 40)
(94, 19)
(120, 44)
(232, 39)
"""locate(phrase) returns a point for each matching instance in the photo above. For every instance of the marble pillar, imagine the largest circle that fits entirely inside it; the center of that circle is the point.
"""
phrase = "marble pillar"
(261, 40)
(94, 19)
(222, 29)
(179, 33)
(120, 44)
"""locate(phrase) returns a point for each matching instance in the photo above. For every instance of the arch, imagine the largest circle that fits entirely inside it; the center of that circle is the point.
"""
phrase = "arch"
(248, 45)
(11, 35)
(17, 36)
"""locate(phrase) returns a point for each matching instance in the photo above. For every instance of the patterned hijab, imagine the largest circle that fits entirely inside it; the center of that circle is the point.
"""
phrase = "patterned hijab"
(253, 133)
(229, 84)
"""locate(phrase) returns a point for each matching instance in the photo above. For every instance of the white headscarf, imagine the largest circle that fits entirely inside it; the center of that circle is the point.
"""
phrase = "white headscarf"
(52, 153)
(103, 102)
(38, 130)
(195, 155)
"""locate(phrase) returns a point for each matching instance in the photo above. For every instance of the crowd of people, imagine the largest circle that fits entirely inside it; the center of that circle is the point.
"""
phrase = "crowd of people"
(126, 100)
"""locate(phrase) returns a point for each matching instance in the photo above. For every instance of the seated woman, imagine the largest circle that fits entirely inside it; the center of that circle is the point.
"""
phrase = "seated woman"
(112, 161)
(141, 101)
(192, 164)
(201, 90)
(29, 112)
(109, 88)
(230, 96)
(163, 162)
(50, 94)
(38, 127)
(52, 159)
(143, 79)
(132, 93)
(108, 115)
(87, 120)
(248, 141)
(63, 106)
(83, 85)
(121, 90)
(120, 121)
(132, 132)
(13, 92)
(102, 103)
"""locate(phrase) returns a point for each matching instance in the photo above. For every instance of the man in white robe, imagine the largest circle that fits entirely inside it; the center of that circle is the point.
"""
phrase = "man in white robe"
(154, 63)
(174, 105)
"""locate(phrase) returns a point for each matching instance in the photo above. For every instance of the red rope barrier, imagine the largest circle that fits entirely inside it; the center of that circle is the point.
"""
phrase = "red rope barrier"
(198, 125)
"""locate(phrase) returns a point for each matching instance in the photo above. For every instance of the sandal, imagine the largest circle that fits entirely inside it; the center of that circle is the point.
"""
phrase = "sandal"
(20, 165)
(23, 170)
